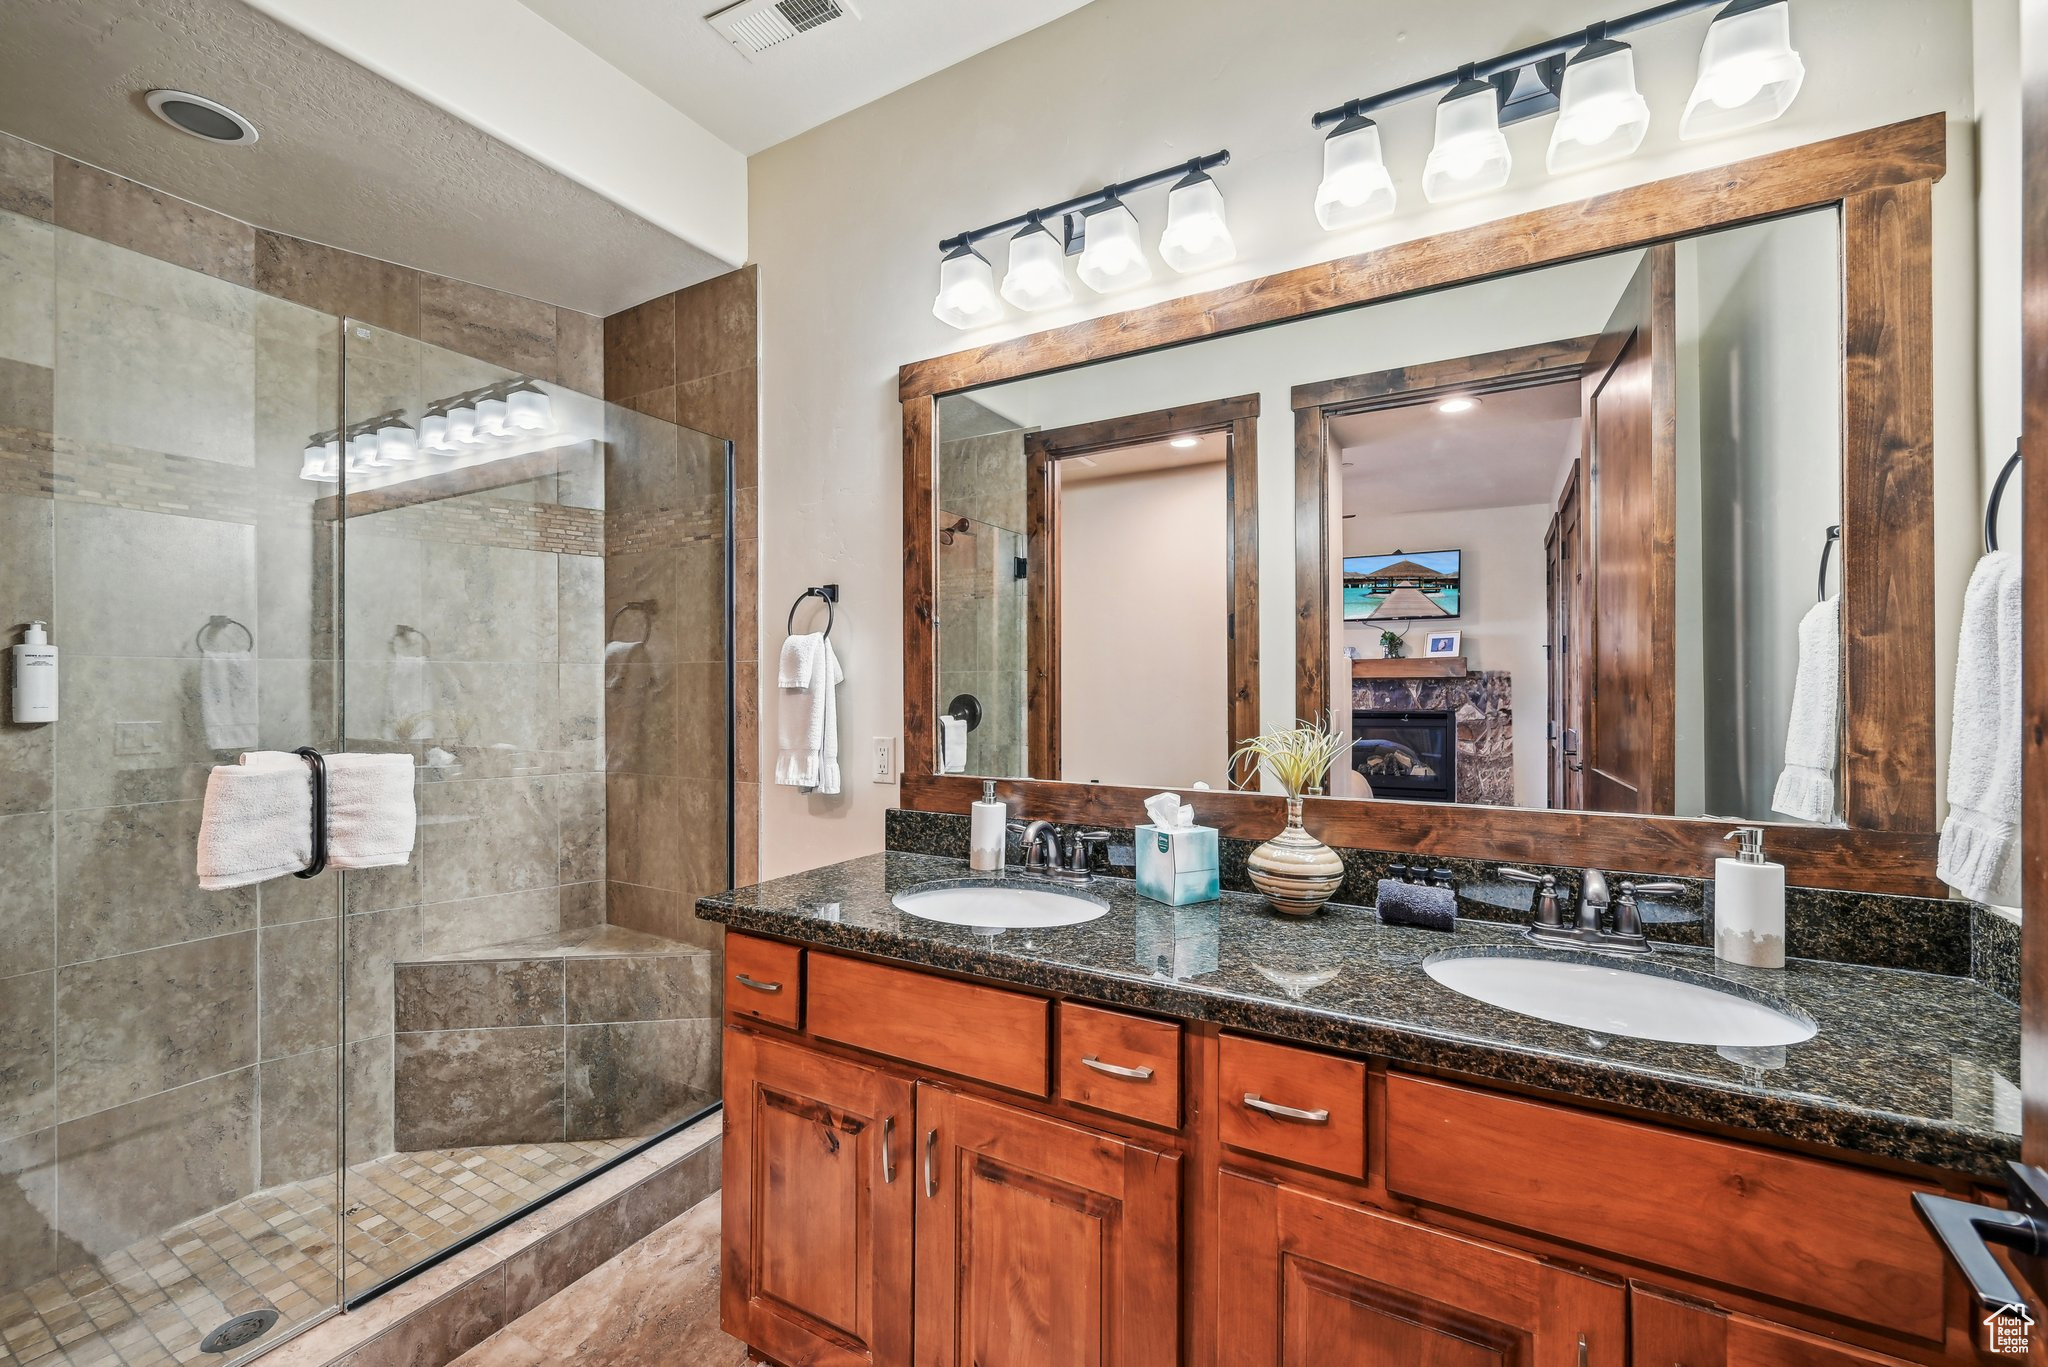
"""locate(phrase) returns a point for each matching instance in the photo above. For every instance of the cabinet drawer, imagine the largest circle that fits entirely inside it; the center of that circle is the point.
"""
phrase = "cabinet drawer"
(764, 979)
(1838, 1240)
(1292, 1104)
(1669, 1329)
(1124, 1064)
(964, 1028)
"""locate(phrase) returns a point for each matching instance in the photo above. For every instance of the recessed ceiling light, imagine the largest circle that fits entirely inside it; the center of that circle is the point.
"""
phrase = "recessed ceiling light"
(1183, 443)
(201, 117)
(1460, 405)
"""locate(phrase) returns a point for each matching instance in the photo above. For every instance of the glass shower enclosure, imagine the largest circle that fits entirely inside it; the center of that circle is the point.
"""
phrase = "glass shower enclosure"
(252, 525)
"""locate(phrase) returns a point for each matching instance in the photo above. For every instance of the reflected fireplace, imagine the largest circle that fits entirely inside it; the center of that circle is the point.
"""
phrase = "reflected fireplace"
(1411, 756)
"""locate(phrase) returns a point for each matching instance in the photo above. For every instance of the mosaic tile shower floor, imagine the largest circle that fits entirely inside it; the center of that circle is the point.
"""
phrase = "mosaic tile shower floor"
(151, 1303)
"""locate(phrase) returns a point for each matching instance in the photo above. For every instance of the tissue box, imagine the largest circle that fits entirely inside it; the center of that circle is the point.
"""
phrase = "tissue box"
(1178, 866)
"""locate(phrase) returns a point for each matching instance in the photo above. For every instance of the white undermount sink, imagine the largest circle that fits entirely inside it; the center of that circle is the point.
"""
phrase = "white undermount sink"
(1001, 906)
(1667, 1005)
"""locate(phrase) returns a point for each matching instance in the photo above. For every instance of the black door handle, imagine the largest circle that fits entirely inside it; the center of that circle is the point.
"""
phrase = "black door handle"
(1968, 1230)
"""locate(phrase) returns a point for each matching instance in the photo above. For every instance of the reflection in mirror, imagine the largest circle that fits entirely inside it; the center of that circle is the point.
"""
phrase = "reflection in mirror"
(1574, 553)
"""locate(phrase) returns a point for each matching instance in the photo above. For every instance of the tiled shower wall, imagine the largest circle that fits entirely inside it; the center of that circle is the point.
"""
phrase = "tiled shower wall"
(982, 605)
(686, 358)
(147, 482)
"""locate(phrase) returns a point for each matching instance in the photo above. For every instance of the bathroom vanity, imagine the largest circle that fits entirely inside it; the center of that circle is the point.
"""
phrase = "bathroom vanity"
(1207, 1135)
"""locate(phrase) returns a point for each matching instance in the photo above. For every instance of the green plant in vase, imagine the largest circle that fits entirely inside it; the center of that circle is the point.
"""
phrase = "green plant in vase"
(1297, 872)
(1392, 645)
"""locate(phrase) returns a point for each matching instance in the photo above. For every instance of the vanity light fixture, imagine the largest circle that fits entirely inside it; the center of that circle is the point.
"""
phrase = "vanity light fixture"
(528, 407)
(967, 289)
(396, 441)
(509, 411)
(1100, 228)
(1356, 187)
(1601, 116)
(1112, 254)
(1749, 72)
(1196, 236)
(321, 461)
(1037, 277)
(1471, 153)
(1748, 75)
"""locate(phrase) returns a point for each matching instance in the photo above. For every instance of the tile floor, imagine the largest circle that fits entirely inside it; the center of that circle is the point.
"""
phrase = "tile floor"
(655, 1305)
(150, 1304)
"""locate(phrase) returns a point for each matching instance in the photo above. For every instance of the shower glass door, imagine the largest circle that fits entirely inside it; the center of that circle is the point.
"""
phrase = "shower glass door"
(537, 610)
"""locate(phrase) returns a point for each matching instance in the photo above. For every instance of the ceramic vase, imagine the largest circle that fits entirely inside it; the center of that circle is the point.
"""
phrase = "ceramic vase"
(1296, 872)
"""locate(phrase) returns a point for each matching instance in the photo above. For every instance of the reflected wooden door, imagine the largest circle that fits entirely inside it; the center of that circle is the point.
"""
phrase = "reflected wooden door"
(1040, 1244)
(1565, 710)
(1628, 397)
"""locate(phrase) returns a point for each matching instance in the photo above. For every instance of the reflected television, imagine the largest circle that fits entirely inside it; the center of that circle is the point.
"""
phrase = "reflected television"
(1405, 586)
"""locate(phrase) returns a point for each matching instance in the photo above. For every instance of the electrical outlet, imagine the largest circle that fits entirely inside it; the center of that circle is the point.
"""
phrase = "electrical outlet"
(138, 737)
(885, 759)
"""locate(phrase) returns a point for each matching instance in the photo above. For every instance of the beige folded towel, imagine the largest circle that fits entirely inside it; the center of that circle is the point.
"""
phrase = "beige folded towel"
(257, 823)
(371, 816)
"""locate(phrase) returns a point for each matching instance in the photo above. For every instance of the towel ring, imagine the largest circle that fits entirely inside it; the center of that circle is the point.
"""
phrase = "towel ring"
(1834, 535)
(400, 631)
(828, 592)
(220, 622)
(643, 606)
(2012, 463)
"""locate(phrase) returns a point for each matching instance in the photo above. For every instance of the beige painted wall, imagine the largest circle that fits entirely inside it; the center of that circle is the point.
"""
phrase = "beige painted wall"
(844, 222)
(1144, 616)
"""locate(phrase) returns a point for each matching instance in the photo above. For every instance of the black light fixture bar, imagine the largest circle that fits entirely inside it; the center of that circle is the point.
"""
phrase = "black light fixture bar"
(1548, 51)
(1089, 201)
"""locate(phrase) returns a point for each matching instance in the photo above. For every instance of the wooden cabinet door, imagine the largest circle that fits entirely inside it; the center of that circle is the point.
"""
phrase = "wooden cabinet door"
(1041, 1244)
(1665, 1331)
(818, 1206)
(1313, 1282)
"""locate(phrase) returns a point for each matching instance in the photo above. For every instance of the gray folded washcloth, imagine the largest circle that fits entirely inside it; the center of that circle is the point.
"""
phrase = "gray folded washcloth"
(1415, 904)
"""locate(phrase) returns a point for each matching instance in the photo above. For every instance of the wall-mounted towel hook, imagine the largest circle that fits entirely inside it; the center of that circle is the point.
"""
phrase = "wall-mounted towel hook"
(220, 621)
(2012, 463)
(1834, 535)
(828, 592)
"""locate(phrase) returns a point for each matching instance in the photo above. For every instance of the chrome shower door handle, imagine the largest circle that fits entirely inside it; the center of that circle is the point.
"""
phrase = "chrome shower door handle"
(931, 1175)
(888, 1149)
(1319, 1116)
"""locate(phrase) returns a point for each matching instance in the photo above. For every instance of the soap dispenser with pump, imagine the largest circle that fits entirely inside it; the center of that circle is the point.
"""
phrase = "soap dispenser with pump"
(35, 676)
(987, 831)
(1749, 905)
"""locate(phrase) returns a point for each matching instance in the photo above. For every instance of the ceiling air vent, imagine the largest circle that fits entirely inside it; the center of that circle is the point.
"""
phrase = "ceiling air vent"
(757, 26)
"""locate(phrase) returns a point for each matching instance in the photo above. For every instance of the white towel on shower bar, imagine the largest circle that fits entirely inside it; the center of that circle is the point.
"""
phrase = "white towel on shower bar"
(257, 822)
(1980, 846)
(807, 682)
(227, 699)
(1806, 788)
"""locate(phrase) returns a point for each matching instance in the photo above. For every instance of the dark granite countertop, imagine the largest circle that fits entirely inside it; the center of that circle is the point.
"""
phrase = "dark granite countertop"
(1916, 1067)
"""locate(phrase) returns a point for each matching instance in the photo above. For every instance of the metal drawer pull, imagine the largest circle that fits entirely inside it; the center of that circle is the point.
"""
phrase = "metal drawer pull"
(931, 1176)
(1118, 1070)
(888, 1145)
(757, 984)
(1315, 1117)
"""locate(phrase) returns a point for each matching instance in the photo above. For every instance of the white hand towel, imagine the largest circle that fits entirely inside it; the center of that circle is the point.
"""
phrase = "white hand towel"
(408, 701)
(227, 699)
(371, 817)
(1806, 788)
(257, 822)
(617, 655)
(807, 717)
(952, 745)
(1980, 848)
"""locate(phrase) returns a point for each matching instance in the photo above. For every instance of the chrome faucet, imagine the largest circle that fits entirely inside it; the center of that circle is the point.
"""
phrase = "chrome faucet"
(1603, 925)
(1051, 853)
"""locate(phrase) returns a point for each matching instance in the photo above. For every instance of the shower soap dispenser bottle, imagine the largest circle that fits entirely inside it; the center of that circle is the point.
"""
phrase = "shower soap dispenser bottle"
(987, 831)
(35, 676)
(1749, 905)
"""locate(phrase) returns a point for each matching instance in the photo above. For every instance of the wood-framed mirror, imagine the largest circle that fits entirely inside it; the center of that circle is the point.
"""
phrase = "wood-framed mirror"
(1620, 253)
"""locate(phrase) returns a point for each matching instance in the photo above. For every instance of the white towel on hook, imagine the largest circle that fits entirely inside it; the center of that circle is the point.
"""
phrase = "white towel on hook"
(227, 699)
(257, 822)
(952, 745)
(807, 679)
(1806, 789)
(1980, 846)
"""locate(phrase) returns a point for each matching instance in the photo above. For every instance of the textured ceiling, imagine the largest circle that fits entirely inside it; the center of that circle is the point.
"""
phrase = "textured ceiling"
(666, 46)
(345, 158)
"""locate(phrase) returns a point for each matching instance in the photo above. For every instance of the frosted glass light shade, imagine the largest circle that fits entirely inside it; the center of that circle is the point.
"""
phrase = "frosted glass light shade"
(1749, 73)
(1196, 236)
(434, 432)
(395, 443)
(1471, 155)
(528, 408)
(313, 464)
(1357, 187)
(1113, 254)
(362, 452)
(1037, 277)
(967, 290)
(1601, 116)
(493, 420)
(462, 425)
